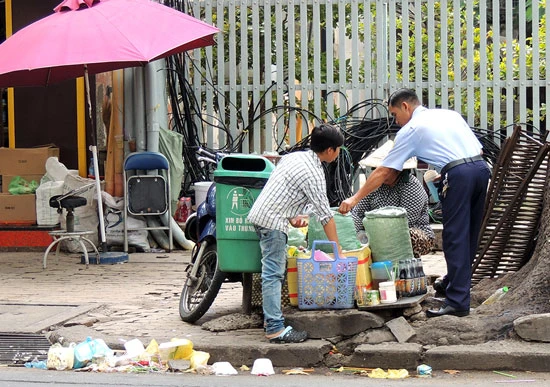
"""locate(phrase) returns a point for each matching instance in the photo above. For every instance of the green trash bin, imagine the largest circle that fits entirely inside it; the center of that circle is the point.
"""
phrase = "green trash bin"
(239, 179)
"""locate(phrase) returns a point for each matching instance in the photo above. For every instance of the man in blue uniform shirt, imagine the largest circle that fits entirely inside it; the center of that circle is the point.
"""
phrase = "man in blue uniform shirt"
(443, 139)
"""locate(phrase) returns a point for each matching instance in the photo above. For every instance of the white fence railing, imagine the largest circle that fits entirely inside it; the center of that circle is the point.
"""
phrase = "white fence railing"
(280, 66)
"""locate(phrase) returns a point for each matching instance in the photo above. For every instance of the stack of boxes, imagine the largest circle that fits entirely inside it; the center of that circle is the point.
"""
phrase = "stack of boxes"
(30, 164)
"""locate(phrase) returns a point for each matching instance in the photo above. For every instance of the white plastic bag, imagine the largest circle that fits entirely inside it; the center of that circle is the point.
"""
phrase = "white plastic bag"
(85, 217)
(114, 224)
(45, 214)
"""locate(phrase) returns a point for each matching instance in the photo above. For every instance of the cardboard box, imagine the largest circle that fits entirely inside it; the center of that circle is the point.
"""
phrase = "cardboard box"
(6, 180)
(25, 161)
(17, 209)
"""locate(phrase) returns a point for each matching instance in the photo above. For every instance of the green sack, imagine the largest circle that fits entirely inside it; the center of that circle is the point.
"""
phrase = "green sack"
(344, 228)
(20, 186)
(296, 237)
(388, 231)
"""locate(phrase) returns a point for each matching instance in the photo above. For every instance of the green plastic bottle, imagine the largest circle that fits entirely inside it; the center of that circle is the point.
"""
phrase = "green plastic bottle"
(496, 296)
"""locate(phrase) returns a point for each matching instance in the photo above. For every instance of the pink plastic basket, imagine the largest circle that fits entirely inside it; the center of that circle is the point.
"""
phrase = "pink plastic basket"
(326, 284)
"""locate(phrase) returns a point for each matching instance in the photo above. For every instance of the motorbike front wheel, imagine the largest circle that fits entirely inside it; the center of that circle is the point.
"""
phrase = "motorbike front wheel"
(198, 294)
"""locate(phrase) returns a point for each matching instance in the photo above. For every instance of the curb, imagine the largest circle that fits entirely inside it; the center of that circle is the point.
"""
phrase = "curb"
(244, 346)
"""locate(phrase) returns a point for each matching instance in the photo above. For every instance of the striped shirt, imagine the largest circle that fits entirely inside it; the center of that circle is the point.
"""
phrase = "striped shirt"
(297, 181)
(409, 195)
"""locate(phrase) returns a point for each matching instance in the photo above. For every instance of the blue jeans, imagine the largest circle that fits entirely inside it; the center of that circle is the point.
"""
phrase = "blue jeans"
(273, 247)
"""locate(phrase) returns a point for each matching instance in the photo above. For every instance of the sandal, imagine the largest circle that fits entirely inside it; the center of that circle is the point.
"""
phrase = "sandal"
(289, 335)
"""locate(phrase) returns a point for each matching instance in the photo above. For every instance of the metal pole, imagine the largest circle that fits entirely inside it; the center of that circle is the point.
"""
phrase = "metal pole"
(93, 148)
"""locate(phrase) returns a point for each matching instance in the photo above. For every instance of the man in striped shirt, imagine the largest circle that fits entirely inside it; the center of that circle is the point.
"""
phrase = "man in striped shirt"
(298, 180)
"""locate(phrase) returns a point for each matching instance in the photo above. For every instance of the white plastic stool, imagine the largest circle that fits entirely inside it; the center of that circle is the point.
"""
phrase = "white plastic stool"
(79, 236)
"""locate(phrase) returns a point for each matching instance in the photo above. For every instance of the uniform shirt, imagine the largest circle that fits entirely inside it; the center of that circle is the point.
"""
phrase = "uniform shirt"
(298, 180)
(406, 194)
(435, 136)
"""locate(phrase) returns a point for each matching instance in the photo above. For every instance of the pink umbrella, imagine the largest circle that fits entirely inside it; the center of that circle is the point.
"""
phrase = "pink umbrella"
(92, 36)
(97, 35)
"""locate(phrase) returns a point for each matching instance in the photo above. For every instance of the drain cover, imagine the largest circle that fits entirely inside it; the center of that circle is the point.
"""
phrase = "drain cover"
(17, 349)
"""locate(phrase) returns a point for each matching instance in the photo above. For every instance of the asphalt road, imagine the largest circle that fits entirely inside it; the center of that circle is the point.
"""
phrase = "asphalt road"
(18, 377)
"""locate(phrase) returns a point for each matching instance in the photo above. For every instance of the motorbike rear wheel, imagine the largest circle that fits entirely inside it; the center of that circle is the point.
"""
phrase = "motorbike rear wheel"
(198, 294)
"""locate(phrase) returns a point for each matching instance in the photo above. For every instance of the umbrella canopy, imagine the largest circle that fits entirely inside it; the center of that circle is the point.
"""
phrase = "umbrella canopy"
(100, 35)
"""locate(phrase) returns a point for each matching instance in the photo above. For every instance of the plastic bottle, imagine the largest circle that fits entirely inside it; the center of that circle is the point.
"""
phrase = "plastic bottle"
(422, 288)
(496, 296)
(423, 284)
(402, 274)
(91, 172)
(409, 279)
(416, 276)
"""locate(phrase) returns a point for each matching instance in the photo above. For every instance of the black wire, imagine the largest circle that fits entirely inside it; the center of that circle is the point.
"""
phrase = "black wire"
(364, 126)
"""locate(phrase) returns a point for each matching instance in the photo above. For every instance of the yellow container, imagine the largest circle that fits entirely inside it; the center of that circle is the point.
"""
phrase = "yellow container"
(292, 280)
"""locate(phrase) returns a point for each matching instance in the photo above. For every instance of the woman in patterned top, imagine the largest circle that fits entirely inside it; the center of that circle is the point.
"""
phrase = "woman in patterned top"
(404, 191)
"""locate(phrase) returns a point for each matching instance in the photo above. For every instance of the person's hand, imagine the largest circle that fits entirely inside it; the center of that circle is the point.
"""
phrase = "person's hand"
(346, 206)
(300, 221)
(340, 251)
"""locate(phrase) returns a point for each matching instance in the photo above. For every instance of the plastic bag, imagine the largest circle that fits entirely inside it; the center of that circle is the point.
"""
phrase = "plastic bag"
(296, 237)
(176, 349)
(344, 228)
(89, 349)
(198, 359)
(20, 186)
(151, 352)
(388, 231)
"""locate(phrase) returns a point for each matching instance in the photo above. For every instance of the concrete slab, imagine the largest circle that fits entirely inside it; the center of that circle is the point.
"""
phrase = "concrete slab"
(496, 355)
(34, 318)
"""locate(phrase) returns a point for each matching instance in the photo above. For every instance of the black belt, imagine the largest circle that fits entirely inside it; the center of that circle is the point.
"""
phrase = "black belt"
(453, 164)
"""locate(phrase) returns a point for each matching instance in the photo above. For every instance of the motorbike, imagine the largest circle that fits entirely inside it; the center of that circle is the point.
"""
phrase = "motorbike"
(204, 279)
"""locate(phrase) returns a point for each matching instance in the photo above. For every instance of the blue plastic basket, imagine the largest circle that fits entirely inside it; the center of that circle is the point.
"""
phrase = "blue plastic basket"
(326, 284)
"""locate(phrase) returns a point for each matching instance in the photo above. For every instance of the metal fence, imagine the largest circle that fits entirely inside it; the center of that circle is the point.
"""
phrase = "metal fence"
(281, 66)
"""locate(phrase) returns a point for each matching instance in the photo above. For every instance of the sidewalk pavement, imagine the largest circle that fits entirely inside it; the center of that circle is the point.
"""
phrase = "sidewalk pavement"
(139, 299)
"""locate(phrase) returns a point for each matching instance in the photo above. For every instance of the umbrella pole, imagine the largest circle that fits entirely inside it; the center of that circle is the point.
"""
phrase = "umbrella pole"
(93, 148)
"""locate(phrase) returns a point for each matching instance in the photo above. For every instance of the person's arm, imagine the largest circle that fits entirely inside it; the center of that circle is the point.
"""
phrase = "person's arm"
(330, 230)
(375, 180)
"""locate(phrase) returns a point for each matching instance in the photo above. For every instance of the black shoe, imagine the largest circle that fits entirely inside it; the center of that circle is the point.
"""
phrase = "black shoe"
(447, 309)
(440, 287)
(289, 335)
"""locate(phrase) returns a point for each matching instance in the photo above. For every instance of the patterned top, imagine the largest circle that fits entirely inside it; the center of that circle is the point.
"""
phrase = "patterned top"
(297, 181)
(407, 194)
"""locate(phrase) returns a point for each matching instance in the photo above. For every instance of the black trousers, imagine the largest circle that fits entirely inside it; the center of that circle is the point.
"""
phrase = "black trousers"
(462, 208)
